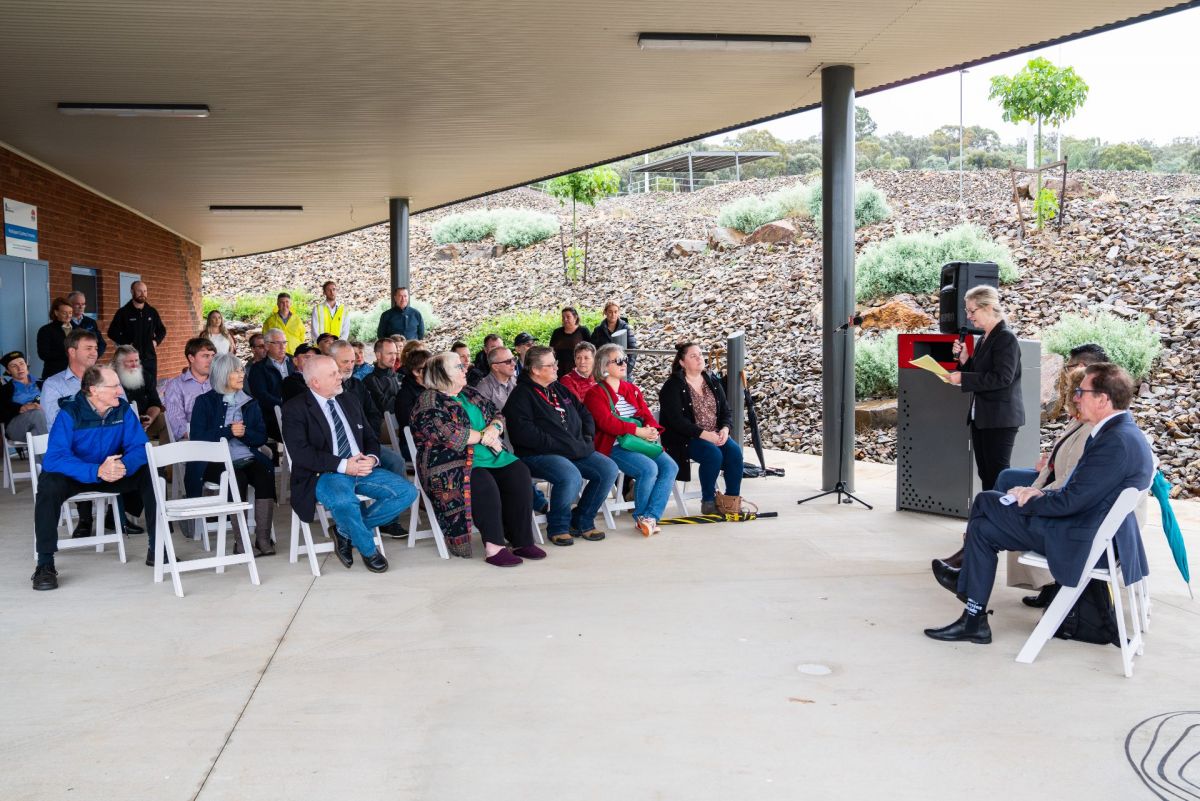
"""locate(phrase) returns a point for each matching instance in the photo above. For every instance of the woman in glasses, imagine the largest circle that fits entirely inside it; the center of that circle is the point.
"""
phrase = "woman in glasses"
(465, 470)
(627, 432)
(697, 419)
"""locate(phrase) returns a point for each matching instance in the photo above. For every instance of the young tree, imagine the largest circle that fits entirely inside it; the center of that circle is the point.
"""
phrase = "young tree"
(1041, 92)
(864, 126)
(585, 186)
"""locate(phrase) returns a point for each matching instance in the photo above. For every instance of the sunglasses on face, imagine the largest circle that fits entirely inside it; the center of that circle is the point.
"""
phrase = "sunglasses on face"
(622, 361)
(505, 361)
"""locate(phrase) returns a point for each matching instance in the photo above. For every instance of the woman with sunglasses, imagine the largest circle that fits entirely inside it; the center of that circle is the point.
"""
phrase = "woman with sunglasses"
(627, 432)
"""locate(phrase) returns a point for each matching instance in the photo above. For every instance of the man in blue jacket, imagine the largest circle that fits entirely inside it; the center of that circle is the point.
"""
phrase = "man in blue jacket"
(1059, 523)
(96, 445)
(401, 319)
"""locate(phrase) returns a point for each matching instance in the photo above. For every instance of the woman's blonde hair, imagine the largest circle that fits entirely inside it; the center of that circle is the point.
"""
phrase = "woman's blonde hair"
(437, 371)
(985, 297)
(600, 367)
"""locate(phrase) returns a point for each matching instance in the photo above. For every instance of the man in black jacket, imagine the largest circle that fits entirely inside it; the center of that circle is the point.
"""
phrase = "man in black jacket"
(264, 379)
(138, 323)
(294, 384)
(552, 433)
(335, 458)
(382, 382)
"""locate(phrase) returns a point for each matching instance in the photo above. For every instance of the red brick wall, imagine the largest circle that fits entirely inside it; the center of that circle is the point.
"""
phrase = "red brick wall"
(79, 228)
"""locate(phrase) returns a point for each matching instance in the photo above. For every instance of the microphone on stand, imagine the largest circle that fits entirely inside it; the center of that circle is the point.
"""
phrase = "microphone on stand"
(854, 319)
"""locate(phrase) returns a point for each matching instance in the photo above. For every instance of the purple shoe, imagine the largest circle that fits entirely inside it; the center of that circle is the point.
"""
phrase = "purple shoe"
(504, 558)
(530, 551)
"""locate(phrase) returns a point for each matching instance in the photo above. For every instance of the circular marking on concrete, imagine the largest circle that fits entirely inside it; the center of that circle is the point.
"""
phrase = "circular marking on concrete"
(813, 669)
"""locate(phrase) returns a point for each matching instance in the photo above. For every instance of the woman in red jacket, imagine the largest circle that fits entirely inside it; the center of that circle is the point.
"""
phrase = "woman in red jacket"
(627, 432)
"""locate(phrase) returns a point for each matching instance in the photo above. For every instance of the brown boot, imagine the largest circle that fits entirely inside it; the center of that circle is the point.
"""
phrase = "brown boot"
(264, 513)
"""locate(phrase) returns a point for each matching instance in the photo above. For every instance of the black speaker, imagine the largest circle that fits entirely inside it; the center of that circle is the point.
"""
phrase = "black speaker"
(957, 278)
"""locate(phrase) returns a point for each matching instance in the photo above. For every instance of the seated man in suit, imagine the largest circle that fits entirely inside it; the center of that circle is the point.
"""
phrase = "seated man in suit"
(264, 379)
(1060, 523)
(335, 458)
(294, 384)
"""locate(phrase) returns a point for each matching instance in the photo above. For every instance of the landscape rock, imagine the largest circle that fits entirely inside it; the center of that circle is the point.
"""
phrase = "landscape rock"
(874, 414)
(721, 238)
(902, 312)
(780, 232)
(682, 248)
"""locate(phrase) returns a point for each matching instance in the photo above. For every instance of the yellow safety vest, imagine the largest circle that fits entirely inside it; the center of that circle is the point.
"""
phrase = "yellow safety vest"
(293, 329)
(331, 323)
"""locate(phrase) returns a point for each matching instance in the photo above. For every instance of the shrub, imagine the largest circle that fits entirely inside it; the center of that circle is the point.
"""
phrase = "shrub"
(803, 163)
(517, 228)
(365, 325)
(901, 163)
(1133, 344)
(748, 213)
(540, 324)
(1192, 164)
(255, 308)
(793, 201)
(870, 204)
(1125, 156)
(934, 163)
(467, 226)
(876, 371)
(913, 262)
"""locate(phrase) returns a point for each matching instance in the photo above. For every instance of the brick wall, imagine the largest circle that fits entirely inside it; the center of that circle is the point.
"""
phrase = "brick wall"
(79, 228)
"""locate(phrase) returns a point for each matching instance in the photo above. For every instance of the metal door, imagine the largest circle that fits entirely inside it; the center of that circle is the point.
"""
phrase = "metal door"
(24, 306)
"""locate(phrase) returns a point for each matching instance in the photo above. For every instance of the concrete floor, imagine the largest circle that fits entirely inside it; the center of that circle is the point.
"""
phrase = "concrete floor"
(667, 668)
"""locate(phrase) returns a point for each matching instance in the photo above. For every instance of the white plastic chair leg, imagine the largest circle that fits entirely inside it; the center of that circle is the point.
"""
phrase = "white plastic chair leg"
(1055, 614)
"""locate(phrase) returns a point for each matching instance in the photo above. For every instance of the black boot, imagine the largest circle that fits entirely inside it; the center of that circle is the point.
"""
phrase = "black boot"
(968, 628)
(947, 577)
(1043, 598)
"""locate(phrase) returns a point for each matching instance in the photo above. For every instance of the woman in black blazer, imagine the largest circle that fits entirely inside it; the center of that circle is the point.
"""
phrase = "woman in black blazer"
(52, 338)
(993, 375)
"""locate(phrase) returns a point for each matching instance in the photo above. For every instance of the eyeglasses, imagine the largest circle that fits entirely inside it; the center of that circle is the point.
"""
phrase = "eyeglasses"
(276, 341)
(462, 368)
(505, 361)
(544, 365)
(1078, 393)
(620, 361)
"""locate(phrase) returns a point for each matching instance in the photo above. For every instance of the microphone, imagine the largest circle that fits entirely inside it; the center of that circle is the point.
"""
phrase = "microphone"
(854, 319)
(962, 334)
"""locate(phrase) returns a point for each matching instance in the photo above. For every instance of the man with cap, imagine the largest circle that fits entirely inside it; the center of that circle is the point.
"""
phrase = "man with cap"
(522, 343)
(20, 400)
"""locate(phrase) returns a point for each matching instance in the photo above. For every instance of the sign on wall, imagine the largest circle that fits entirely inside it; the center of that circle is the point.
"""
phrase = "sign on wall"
(20, 229)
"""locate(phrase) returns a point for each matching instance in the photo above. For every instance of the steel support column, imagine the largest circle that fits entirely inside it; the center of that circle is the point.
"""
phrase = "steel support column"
(837, 280)
(398, 241)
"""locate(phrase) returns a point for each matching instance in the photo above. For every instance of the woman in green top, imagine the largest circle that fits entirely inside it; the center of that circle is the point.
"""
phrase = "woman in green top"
(465, 471)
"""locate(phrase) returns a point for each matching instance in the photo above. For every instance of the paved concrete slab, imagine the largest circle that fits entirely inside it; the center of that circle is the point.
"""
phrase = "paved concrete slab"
(666, 668)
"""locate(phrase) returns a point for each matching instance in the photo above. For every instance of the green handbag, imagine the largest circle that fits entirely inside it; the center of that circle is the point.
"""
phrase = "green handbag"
(632, 442)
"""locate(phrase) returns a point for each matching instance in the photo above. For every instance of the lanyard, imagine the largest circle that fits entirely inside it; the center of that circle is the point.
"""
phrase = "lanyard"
(555, 404)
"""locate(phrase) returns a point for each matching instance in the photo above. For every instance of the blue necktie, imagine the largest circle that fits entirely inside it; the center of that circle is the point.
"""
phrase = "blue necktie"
(339, 430)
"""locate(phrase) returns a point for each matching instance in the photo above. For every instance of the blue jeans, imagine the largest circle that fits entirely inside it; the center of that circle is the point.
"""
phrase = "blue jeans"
(392, 462)
(1014, 477)
(566, 476)
(338, 493)
(652, 480)
(713, 461)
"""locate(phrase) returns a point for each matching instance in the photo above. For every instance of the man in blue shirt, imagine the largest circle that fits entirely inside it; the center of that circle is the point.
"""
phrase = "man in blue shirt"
(96, 445)
(79, 318)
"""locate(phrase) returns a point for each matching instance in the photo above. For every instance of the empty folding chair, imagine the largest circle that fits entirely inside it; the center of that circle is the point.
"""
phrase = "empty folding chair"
(227, 503)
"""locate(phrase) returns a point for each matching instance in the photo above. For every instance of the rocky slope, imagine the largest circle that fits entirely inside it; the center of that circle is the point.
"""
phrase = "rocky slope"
(1130, 245)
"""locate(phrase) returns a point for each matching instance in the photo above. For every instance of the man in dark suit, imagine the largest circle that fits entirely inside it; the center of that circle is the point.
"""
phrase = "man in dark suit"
(1059, 523)
(335, 458)
(264, 379)
(294, 384)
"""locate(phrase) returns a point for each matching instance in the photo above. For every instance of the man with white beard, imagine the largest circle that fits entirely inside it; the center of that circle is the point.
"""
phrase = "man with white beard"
(128, 365)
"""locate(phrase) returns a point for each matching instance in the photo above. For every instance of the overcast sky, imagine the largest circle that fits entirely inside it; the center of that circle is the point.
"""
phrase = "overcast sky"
(1144, 83)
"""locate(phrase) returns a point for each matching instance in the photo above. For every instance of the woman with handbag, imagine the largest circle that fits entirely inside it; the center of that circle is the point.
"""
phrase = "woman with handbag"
(696, 416)
(627, 432)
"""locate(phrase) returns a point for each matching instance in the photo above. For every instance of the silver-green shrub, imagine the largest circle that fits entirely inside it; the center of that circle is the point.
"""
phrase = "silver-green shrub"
(793, 201)
(876, 371)
(467, 226)
(748, 213)
(913, 262)
(870, 204)
(1133, 344)
(518, 228)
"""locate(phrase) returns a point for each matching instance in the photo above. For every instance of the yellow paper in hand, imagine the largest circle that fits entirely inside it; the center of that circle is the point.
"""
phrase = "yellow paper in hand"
(927, 362)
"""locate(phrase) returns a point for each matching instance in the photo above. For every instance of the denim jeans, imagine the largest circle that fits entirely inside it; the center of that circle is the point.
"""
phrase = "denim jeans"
(391, 461)
(566, 476)
(713, 461)
(652, 480)
(1014, 477)
(338, 493)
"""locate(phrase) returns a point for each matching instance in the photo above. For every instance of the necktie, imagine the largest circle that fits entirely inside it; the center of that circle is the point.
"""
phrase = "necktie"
(339, 430)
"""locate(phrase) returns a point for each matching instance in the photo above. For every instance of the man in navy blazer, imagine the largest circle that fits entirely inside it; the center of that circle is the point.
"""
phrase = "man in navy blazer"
(335, 458)
(264, 379)
(1059, 523)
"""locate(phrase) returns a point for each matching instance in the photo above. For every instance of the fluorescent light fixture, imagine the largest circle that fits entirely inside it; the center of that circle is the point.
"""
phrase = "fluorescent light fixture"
(256, 209)
(133, 109)
(729, 42)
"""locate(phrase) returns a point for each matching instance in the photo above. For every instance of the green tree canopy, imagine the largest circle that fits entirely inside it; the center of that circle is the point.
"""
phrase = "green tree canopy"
(1124, 156)
(864, 126)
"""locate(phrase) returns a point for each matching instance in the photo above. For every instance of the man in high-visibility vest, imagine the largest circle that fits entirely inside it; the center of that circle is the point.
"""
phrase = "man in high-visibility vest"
(286, 321)
(330, 317)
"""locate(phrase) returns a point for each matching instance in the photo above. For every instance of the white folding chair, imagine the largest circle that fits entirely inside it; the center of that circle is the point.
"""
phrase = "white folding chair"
(11, 478)
(300, 529)
(683, 495)
(392, 427)
(615, 502)
(227, 503)
(285, 465)
(101, 502)
(1064, 601)
(414, 532)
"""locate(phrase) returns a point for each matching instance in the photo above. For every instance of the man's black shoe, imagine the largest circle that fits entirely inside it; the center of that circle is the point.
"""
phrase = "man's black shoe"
(394, 530)
(150, 559)
(1043, 598)
(343, 549)
(132, 527)
(83, 529)
(376, 562)
(45, 578)
(948, 578)
(965, 629)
